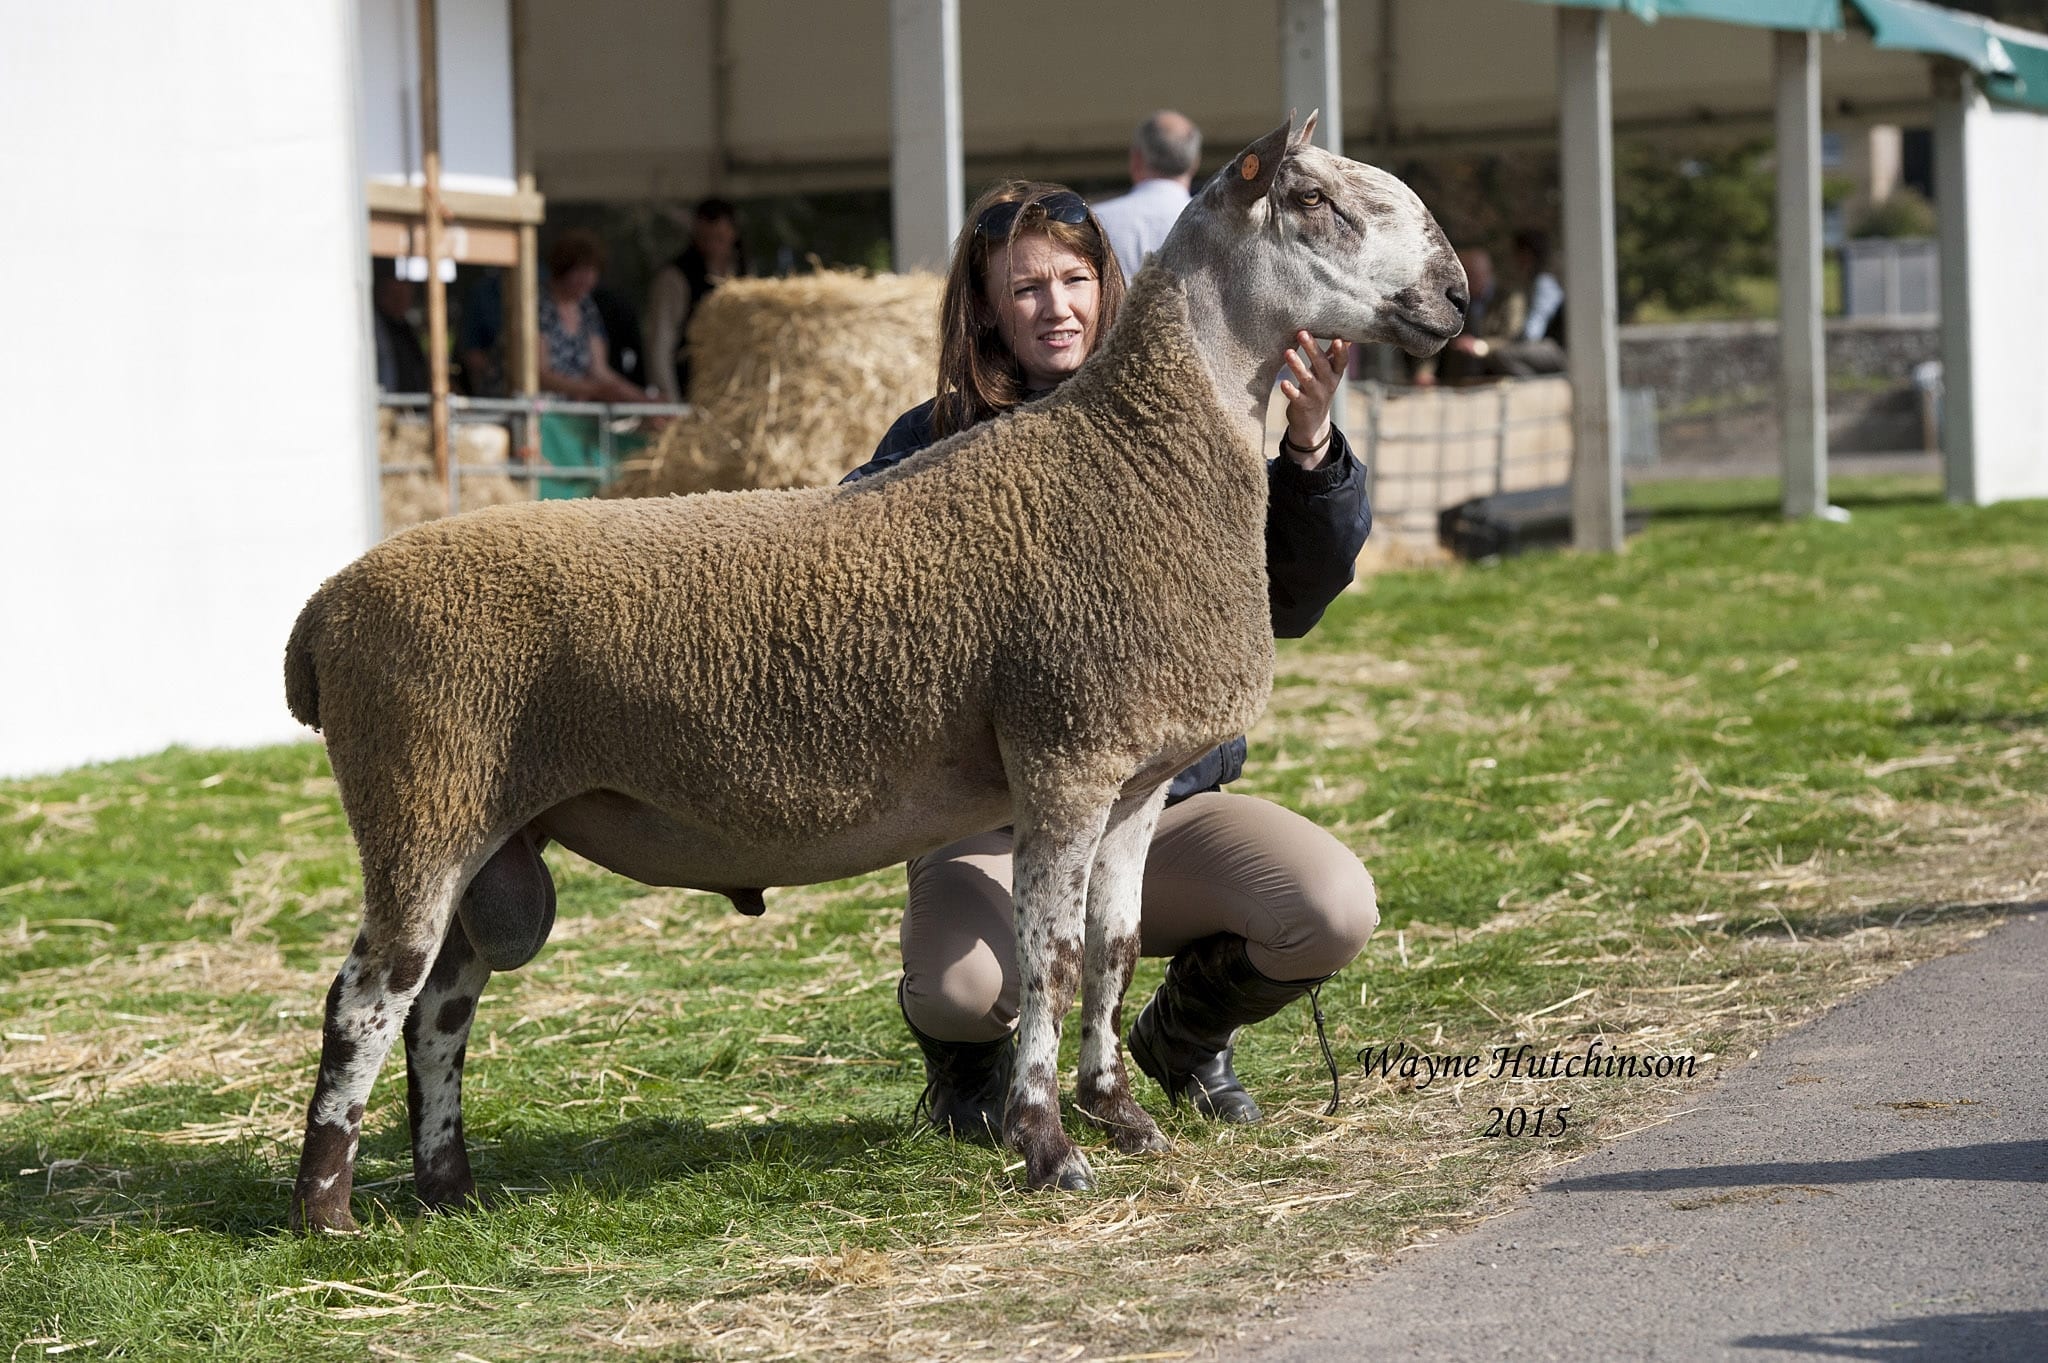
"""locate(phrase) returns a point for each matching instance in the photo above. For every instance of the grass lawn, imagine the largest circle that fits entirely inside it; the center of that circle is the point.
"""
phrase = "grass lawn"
(1674, 800)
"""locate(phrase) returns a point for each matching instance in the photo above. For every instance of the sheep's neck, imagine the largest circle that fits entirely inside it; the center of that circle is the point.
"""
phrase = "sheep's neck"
(1242, 361)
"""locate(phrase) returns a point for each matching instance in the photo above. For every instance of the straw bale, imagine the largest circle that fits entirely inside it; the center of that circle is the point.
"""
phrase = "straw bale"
(794, 382)
(412, 497)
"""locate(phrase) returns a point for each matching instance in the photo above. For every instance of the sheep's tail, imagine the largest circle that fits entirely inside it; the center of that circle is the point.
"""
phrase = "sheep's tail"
(301, 683)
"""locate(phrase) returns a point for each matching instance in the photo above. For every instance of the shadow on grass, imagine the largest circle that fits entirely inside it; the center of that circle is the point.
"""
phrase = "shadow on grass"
(240, 1191)
(1992, 1336)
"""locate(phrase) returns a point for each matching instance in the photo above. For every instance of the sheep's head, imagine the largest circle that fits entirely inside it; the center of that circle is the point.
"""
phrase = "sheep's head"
(1313, 241)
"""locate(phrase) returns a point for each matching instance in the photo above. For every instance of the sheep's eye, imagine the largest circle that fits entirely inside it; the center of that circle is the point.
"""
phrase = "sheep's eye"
(1309, 198)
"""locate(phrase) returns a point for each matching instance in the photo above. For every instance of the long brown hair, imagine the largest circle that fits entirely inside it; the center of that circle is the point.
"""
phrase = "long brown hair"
(978, 376)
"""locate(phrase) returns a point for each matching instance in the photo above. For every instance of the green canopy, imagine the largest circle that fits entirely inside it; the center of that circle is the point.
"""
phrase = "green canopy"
(1797, 14)
(2013, 62)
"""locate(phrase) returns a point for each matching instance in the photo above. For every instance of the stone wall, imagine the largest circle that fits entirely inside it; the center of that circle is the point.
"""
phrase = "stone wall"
(1717, 383)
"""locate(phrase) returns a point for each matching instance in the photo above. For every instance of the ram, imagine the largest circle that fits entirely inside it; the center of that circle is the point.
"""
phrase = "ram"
(1037, 622)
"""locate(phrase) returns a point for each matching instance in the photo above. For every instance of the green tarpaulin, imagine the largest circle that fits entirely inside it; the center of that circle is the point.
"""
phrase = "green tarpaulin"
(2014, 63)
(1825, 15)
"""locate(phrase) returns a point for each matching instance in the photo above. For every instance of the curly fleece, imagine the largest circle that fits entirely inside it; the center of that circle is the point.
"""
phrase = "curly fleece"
(1050, 601)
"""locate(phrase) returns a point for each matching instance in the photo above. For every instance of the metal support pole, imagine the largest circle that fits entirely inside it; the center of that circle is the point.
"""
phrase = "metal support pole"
(926, 177)
(1586, 164)
(1309, 75)
(430, 210)
(1802, 336)
(1310, 83)
(1385, 97)
(1956, 100)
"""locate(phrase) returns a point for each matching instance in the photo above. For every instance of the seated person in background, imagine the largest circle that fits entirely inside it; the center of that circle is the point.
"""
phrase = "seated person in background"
(401, 359)
(713, 256)
(574, 362)
(624, 349)
(480, 337)
(1494, 343)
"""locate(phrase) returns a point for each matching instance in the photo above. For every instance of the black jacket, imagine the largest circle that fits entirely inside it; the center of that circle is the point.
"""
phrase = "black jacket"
(1316, 522)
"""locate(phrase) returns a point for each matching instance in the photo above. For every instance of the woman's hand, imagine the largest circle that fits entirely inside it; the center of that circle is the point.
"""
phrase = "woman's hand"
(1310, 390)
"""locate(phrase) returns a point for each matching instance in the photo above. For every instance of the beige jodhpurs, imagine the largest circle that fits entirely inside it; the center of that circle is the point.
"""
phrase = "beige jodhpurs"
(1219, 863)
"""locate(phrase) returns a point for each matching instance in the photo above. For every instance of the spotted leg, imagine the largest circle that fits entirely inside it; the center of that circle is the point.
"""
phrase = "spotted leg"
(1051, 866)
(366, 1006)
(1115, 888)
(436, 1036)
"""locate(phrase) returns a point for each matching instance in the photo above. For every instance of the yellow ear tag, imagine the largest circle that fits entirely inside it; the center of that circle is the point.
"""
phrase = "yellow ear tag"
(1250, 168)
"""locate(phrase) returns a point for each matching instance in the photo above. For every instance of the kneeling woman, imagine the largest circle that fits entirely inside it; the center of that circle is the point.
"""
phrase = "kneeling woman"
(1255, 904)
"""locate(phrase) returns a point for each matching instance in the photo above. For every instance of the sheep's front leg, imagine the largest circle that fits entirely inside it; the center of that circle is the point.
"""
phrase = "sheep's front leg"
(436, 1037)
(1050, 888)
(1115, 891)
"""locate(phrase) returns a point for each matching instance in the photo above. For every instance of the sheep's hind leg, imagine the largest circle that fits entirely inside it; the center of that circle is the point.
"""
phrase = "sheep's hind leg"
(366, 1006)
(1051, 885)
(1115, 891)
(436, 1037)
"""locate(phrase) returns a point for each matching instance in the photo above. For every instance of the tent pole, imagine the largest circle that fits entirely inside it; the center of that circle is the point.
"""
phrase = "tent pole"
(1802, 336)
(926, 176)
(1586, 165)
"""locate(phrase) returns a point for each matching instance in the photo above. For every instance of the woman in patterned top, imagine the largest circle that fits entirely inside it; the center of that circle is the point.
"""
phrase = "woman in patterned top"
(574, 359)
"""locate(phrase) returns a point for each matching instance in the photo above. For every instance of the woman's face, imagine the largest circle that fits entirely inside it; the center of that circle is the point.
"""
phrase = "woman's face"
(1044, 298)
(578, 283)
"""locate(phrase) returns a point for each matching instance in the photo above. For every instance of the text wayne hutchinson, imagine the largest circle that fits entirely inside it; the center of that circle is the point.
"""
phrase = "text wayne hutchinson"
(1521, 1062)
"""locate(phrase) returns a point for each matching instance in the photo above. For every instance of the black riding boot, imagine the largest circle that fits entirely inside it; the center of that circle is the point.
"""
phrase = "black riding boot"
(965, 1083)
(1186, 1034)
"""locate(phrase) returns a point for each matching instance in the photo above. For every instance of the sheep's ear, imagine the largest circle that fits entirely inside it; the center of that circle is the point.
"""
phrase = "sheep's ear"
(1251, 174)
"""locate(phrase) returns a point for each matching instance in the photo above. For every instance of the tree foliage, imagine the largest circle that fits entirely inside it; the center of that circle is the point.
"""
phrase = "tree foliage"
(1689, 225)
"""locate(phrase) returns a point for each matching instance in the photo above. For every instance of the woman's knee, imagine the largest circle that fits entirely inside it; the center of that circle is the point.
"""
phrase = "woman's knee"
(959, 983)
(966, 998)
(1335, 909)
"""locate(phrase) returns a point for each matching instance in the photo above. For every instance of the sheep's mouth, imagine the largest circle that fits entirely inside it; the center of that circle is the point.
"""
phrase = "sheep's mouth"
(1421, 338)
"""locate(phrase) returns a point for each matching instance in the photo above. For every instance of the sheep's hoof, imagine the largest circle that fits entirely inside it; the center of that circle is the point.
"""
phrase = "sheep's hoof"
(1129, 1127)
(1141, 1140)
(447, 1201)
(329, 1220)
(1070, 1175)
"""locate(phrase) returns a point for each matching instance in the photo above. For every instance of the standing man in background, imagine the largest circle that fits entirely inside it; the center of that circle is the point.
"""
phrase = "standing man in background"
(713, 256)
(1164, 153)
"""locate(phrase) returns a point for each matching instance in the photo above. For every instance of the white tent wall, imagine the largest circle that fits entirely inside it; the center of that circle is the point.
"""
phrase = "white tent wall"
(476, 93)
(1993, 200)
(189, 446)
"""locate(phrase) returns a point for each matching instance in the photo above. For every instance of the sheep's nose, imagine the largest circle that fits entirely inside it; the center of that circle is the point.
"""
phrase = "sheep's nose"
(1459, 296)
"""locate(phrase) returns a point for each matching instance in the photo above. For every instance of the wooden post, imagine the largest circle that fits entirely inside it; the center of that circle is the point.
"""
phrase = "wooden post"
(1586, 165)
(1802, 336)
(437, 292)
(926, 177)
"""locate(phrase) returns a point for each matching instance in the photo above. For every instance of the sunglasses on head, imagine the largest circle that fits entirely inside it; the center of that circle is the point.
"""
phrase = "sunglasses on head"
(998, 220)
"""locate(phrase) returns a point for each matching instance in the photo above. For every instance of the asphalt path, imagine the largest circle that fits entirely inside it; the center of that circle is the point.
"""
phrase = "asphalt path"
(1872, 1186)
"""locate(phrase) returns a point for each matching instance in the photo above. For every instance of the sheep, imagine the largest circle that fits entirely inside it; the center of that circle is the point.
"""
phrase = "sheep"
(1036, 622)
